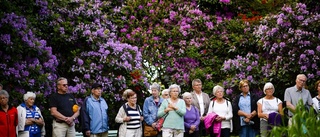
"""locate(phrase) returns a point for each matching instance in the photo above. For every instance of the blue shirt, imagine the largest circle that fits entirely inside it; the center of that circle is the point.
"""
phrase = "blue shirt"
(150, 110)
(98, 117)
(245, 106)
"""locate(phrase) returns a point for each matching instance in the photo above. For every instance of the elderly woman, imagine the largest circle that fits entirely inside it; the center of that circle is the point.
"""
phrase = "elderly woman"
(151, 105)
(165, 94)
(8, 116)
(316, 99)
(191, 118)
(267, 105)
(30, 119)
(130, 116)
(223, 109)
(244, 109)
(173, 109)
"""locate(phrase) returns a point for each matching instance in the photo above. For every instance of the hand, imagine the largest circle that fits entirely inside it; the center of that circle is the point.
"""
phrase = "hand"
(154, 125)
(266, 117)
(193, 127)
(249, 116)
(39, 122)
(172, 106)
(202, 118)
(141, 118)
(88, 133)
(190, 131)
(69, 121)
(126, 119)
(253, 114)
(247, 120)
(168, 109)
(30, 121)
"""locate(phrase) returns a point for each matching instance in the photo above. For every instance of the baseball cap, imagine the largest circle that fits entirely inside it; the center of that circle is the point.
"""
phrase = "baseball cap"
(96, 85)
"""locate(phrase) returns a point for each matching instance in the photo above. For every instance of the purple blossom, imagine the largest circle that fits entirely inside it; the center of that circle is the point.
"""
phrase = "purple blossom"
(302, 56)
(318, 73)
(229, 91)
(172, 15)
(318, 48)
(310, 76)
(225, 1)
(249, 78)
(209, 25)
(208, 76)
(249, 68)
(86, 76)
(303, 68)
(166, 21)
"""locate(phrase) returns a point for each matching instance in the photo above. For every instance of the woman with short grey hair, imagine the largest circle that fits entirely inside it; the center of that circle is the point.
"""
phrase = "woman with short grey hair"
(223, 108)
(268, 105)
(191, 118)
(150, 109)
(8, 127)
(174, 110)
(31, 122)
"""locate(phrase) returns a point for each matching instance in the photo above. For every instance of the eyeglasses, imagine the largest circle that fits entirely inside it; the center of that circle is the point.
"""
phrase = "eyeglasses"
(65, 85)
(245, 86)
(165, 94)
(303, 81)
(3, 98)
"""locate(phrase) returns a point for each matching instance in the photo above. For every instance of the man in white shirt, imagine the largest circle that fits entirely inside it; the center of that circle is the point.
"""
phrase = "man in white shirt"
(201, 100)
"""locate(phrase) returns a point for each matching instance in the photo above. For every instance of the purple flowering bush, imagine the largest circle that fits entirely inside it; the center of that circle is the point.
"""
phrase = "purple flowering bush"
(288, 44)
(41, 42)
(174, 39)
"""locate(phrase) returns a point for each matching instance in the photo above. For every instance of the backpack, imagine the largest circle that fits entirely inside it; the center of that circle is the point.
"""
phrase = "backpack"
(213, 100)
(126, 110)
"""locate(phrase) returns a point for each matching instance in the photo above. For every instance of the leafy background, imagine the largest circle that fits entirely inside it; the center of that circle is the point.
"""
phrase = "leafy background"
(129, 44)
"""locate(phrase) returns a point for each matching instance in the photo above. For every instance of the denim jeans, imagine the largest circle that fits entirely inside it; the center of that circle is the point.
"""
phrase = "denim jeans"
(247, 131)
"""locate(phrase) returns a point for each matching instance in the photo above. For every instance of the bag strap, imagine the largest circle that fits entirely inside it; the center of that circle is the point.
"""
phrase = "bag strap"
(125, 109)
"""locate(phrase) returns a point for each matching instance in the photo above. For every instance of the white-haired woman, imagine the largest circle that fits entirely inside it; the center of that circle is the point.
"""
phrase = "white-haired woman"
(174, 109)
(267, 105)
(31, 123)
(130, 116)
(191, 118)
(223, 109)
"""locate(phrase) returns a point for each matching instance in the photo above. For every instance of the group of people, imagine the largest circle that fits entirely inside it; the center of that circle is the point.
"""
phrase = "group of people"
(193, 115)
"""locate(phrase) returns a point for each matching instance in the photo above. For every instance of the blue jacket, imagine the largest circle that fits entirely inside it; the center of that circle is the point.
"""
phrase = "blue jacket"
(94, 115)
(150, 110)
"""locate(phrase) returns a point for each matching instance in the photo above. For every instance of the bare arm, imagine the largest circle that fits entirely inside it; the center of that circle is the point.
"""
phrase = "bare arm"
(242, 113)
(57, 115)
(280, 109)
(260, 114)
(290, 106)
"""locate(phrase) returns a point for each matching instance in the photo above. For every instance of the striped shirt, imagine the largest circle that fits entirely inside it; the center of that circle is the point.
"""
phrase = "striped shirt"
(134, 115)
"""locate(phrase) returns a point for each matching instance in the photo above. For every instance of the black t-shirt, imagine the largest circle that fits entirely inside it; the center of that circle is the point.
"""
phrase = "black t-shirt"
(63, 103)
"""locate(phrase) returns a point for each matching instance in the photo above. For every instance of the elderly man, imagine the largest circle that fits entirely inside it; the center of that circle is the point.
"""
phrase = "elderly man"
(95, 123)
(293, 94)
(201, 101)
(61, 108)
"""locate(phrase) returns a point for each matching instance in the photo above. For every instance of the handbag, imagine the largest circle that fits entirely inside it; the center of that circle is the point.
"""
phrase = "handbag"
(160, 122)
(149, 131)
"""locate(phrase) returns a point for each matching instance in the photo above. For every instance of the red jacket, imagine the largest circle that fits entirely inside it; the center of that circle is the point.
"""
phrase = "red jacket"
(8, 122)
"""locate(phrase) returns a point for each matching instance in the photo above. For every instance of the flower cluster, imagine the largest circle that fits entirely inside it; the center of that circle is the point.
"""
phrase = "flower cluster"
(171, 36)
(102, 58)
(27, 63)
